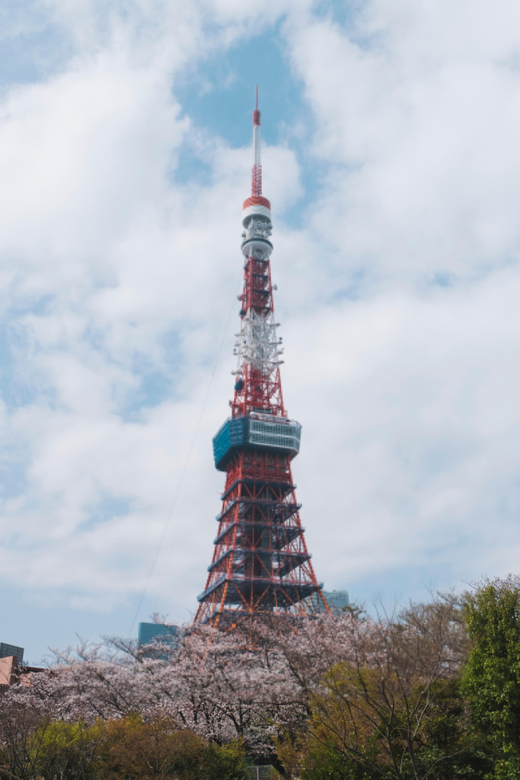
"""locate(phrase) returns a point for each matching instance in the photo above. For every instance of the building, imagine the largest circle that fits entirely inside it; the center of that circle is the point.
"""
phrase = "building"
(148, 632)
(8, 671)
(261, 565)
(12, 668)
(337, 599)
(7, 650)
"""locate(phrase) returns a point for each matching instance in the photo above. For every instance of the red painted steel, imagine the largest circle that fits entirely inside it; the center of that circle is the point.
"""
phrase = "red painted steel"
(260, 565)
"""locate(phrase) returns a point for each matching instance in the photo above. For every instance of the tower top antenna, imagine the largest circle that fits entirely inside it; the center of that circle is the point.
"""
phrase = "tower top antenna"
(256, 180)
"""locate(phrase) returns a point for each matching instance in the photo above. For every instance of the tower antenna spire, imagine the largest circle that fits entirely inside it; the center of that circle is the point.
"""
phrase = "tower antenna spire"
(256, 176)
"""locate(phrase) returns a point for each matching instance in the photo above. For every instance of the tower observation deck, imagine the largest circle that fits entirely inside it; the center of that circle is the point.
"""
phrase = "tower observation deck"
(260, 564)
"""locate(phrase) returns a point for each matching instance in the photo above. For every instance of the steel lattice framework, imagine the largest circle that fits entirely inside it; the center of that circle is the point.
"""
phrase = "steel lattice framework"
(260, 564)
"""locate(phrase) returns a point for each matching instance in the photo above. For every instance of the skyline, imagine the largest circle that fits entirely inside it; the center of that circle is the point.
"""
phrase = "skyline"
(391, 161)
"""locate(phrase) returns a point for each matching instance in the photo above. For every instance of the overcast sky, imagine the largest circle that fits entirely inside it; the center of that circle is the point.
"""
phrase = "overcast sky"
(392, 162)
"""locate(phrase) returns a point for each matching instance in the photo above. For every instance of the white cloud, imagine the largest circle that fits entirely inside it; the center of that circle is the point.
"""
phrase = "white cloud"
(419, 126)
(116, 276)
(416, 442)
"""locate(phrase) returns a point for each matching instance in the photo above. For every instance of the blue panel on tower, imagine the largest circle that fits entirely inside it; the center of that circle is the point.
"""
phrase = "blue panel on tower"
(276, 434)
(231, 436)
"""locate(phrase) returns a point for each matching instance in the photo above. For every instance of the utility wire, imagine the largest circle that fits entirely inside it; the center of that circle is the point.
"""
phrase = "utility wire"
(184, 469)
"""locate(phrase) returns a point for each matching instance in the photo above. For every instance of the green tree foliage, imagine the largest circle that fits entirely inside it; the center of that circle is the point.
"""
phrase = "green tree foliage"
(360, 729)
(19, 746)
(322, 761)
(63, 751)
(125, 749)
(130, 748)
(396, 710)
(492, 673)
(224, 763)
(446, 745)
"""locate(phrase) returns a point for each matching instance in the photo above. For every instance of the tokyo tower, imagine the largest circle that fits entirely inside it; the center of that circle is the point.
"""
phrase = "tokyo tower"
(260, 561)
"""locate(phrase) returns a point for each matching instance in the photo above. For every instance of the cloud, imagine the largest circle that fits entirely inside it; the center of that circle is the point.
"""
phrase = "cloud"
(119, 281)
(419, 129)
(417, 431)
(398, 287)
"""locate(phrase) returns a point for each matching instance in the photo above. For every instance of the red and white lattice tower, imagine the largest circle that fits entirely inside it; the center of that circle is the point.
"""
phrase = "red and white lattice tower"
(260, 562)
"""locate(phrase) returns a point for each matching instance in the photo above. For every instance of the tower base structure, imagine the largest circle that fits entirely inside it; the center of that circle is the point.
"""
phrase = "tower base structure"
(261, 565)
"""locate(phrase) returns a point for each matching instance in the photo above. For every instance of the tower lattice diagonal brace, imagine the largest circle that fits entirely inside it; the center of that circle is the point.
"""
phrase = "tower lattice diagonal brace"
(260, 564)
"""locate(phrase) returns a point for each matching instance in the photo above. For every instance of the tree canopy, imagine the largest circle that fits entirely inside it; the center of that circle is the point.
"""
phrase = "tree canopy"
(431, 692)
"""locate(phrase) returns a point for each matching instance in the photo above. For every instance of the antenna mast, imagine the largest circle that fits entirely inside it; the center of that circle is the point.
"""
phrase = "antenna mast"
(256, 178)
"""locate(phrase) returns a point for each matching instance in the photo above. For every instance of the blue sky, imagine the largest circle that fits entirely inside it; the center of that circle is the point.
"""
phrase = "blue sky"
(392, 163)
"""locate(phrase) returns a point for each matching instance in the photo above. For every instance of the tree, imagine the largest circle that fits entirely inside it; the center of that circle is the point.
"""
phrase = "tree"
(64, 751)
(492, 673)
(19, 749)
(391, 707)
(128, 748)
(365, 693)
(133, 749)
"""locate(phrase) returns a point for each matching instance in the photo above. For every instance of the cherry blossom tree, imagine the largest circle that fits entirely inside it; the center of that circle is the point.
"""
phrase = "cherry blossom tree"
(272, 683)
